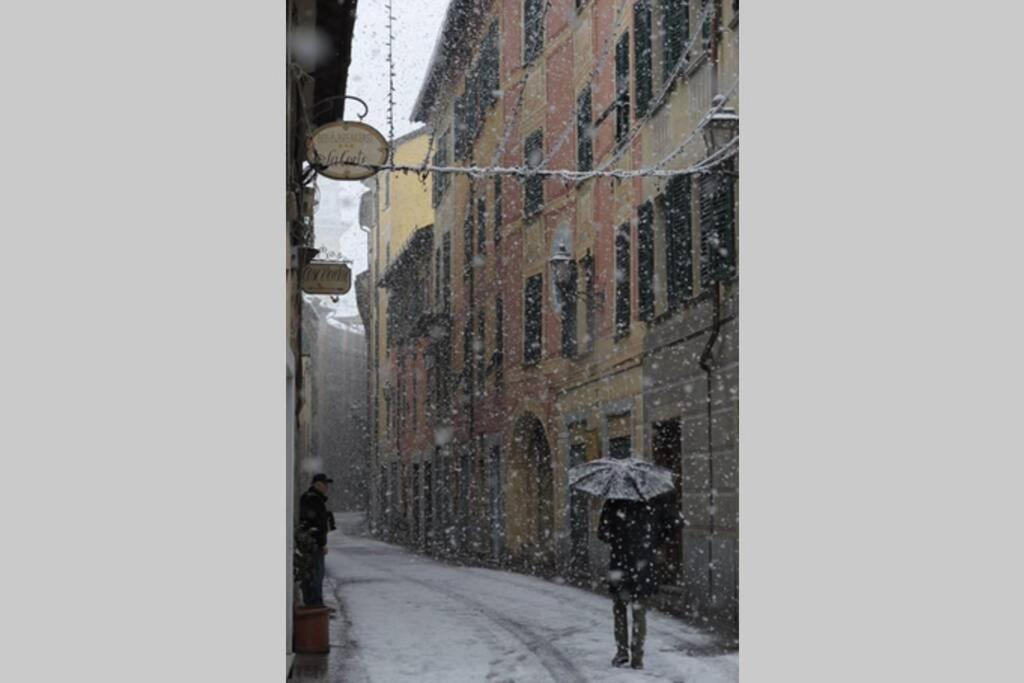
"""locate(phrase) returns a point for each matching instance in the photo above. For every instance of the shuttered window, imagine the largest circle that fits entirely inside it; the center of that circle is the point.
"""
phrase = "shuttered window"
(642, 57)
(447, 264)
(717, 228)
(440, 183)
(584, 131)
(568, 296)
(623, 280)
(533, 185)
(645, 261)
(467, 244)
(499, 341)
(587, 265)
(480, 351)
(532, 318)
(497, 211)
(533, 30)
(481, 224)
(490, 74)
(678, 241)
(676, 23)
(622, 88)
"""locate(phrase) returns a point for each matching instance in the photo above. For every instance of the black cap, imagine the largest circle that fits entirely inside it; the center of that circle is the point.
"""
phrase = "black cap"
(322, 477)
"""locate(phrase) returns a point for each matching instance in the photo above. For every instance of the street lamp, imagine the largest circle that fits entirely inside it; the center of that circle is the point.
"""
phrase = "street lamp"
(562, 273)
(723, 126)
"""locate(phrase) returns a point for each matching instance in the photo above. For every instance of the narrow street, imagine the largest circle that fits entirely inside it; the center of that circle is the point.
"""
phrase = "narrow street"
(405, 617)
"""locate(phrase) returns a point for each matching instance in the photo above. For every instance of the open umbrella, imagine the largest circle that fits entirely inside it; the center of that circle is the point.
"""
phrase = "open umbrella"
(621, 478)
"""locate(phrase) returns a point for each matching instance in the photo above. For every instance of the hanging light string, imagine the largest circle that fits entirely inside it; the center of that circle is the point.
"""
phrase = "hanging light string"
(391, 82)
(728, 151)
(663, 93)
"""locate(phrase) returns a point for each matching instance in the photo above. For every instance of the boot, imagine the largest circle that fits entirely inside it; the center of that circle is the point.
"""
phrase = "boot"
(639, 634)
(621, 634)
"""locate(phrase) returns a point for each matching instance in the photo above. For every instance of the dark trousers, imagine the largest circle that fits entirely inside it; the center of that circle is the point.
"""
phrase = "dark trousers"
(313, 587)
(622, 640)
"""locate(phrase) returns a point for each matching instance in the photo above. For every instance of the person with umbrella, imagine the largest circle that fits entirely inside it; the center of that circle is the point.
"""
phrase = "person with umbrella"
(638, 516)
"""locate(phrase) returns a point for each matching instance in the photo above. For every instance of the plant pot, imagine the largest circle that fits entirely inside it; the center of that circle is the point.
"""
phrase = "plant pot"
(310, 630)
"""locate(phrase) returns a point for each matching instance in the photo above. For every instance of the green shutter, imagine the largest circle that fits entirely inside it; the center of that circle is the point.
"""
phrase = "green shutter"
(584, 131)
(645, 258)
(717, 228)
(642, 59)
(623, 279)
(622, 88)
(676, 23)
(678, 240)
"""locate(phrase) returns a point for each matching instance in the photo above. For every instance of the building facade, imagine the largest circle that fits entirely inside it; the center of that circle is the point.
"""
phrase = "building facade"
(554, 320)
(315, 90)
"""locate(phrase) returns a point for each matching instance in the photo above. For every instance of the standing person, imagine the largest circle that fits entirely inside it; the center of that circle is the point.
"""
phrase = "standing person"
(634, 529)
(317, 520)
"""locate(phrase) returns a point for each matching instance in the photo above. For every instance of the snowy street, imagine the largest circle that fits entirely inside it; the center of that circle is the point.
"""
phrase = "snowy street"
(405, 617)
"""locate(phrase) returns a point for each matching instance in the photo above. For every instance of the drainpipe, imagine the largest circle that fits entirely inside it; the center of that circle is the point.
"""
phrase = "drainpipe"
(705, 364)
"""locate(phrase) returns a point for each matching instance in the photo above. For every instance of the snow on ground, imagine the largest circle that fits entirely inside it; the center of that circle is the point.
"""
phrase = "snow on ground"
(409, 618)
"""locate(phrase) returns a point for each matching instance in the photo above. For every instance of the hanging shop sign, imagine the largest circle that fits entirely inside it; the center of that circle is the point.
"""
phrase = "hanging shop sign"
(343, 149)
(323, 277)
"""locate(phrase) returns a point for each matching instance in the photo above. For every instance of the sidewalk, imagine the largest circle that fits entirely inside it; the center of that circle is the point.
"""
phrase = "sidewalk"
(339, 664)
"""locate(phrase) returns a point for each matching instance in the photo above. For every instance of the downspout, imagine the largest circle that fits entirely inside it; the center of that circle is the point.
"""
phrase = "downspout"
(706, 354)
(705, 364)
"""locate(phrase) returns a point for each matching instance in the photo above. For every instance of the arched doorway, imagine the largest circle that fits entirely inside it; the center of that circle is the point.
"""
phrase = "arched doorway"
(530, 499)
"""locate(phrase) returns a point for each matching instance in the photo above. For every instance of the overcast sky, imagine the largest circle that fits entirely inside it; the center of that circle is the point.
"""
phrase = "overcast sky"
(416, 24)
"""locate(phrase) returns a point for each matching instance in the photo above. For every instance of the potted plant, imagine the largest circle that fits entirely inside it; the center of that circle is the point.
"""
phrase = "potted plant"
(310, 624)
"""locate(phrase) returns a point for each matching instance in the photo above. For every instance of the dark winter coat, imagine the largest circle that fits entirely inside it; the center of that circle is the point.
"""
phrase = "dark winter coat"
(634, 530)
(314, 516)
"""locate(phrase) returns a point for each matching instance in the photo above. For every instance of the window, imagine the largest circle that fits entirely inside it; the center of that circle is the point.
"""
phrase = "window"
(499, 341)
(717, 228)
(568, 302)
(441, 159)
(622, 88)
(676, 23)
(481, 224)
(467, 243)
(645, 259)
(447, 283)
(532, 321)
(467, 358)
(437, 278)
(490, 66)
(678, 241)
(533, 185)
(587, 266)
(622, 280)
(387, 190)
(619, 447)
(533, 30)
(705, 29)
(497, 211)
(481, 90)
(479, 347)
(642, 57)
(584, 131)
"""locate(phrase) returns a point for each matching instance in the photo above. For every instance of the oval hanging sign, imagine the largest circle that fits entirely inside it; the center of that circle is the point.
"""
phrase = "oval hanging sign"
(343, 149)
(324, 277)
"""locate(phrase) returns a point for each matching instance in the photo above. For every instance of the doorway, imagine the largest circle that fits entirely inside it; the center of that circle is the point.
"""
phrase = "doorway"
(667, 449)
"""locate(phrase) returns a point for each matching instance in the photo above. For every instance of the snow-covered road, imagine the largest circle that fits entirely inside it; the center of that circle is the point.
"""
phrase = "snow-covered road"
(405, 617)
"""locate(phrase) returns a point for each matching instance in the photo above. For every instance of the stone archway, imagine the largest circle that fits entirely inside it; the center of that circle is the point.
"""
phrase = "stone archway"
(529, 498)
